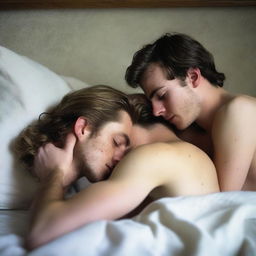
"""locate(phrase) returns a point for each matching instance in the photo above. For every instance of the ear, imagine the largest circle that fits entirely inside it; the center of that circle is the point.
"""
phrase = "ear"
(81, 128)
(194, 76)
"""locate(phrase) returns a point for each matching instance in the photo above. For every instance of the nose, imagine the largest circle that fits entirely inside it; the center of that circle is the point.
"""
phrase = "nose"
(158, 108)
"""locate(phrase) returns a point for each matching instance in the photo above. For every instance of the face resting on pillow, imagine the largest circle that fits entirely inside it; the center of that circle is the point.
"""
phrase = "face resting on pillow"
(101, 119)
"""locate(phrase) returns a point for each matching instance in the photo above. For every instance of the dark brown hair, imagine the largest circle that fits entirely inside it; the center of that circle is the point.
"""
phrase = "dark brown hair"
(143, 113)
(176, 53)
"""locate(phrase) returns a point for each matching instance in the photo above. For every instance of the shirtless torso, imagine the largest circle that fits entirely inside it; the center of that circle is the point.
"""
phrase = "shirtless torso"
(234, 142)
(234, 137)
(167, 169)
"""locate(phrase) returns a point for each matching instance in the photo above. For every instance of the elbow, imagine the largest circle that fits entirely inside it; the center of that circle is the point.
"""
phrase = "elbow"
(44, 229)
(35, 239)
(40, 234)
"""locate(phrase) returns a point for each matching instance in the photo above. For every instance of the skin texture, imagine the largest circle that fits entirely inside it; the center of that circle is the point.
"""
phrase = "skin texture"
(176, 103)
(94, 155)
(229, 121)
(159, 169)
(97, 155)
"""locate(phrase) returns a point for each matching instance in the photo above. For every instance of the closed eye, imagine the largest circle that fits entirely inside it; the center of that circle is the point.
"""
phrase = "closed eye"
(121, 140)
(116, 144)
(161, 96)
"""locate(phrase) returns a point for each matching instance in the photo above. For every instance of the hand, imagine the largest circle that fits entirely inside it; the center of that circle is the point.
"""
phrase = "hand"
(52, 160)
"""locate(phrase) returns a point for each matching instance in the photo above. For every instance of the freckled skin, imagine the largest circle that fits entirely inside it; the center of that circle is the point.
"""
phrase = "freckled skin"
(95, 153)
(153, 171)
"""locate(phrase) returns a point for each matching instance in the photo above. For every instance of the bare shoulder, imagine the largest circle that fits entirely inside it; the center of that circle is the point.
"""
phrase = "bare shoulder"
(145, 164)
(237, 113)
(157, 152)
(234, 123)
(160, 160)
(238, 105)
(148, 154)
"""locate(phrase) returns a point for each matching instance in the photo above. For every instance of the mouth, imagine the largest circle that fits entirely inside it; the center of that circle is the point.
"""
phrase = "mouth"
(109, 167)
(170, 119)
(109, 171)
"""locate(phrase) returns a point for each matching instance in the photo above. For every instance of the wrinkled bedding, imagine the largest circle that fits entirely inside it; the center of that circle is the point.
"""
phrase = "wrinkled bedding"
(217, 224)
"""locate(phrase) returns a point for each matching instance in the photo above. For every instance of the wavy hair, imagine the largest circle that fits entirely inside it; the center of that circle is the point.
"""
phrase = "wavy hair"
(99, 104)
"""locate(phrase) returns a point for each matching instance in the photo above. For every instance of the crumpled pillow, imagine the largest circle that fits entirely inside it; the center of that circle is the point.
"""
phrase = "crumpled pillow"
(26, 90)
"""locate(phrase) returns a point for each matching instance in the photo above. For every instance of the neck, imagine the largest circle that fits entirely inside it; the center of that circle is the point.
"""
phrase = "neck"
(161, 133)
(212, 98)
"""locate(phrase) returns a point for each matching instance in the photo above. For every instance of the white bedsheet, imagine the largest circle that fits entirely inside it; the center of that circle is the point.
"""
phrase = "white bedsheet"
(220, 224)
(13, 227)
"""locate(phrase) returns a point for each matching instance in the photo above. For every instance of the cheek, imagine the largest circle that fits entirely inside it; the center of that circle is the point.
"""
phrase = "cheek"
(99, 154)
(170, 104)
(175, 102)
(95, 156)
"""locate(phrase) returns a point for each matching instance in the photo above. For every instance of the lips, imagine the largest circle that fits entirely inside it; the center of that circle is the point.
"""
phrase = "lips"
(108, 172)
(110, 168)
(170, 119)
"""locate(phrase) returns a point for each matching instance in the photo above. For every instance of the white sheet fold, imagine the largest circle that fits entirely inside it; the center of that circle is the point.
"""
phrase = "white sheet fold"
(221, 224)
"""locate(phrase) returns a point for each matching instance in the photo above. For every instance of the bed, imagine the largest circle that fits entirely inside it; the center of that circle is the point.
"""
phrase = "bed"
(215, 224)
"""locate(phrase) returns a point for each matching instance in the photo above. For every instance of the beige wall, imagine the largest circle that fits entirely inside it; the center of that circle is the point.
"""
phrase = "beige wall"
(96, 46)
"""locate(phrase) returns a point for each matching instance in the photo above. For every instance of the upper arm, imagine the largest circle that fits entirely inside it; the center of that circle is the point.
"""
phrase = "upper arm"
(233, 138)
(130, 183)
(101, 200)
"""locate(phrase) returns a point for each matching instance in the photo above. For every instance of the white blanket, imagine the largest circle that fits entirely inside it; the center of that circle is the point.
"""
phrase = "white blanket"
(220, 224)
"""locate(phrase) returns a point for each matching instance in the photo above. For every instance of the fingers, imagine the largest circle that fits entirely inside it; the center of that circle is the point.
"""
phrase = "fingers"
(69, 145)
(70, 142)
(48, 148)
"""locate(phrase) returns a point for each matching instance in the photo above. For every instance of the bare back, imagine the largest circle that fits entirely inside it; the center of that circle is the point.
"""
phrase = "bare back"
(190, 172)
(159, 169)
(171, 169)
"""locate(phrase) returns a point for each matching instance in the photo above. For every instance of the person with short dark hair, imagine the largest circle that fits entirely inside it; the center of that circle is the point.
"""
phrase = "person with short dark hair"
(179, 76)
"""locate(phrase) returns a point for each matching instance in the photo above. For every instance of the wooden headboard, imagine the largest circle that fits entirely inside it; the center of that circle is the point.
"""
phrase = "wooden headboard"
(51, 4)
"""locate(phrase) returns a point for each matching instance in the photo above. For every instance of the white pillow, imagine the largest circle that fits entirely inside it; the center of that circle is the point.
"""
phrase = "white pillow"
(26, 90)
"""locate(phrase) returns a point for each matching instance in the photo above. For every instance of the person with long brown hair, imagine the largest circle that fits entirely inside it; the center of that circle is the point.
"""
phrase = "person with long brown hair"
(85, 111)
(160, 165)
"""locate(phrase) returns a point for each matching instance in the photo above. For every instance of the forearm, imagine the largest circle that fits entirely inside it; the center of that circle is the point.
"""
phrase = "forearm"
(46, 210)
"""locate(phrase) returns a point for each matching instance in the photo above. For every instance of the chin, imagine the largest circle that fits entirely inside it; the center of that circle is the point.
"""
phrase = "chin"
(101, 177)
(180, 126)
(183, 126)
(92, 178)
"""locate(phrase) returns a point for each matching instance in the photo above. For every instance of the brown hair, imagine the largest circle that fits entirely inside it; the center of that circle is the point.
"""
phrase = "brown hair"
(143, 114)
(175, 53)
(99, 104)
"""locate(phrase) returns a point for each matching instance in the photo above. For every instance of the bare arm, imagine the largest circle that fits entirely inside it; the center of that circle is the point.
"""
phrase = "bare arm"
(125, 190)
(233, 136)
(103, 200)
(143, 169)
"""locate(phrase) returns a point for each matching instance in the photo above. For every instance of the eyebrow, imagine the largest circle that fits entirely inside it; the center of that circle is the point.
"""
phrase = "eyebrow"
(151, 95)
